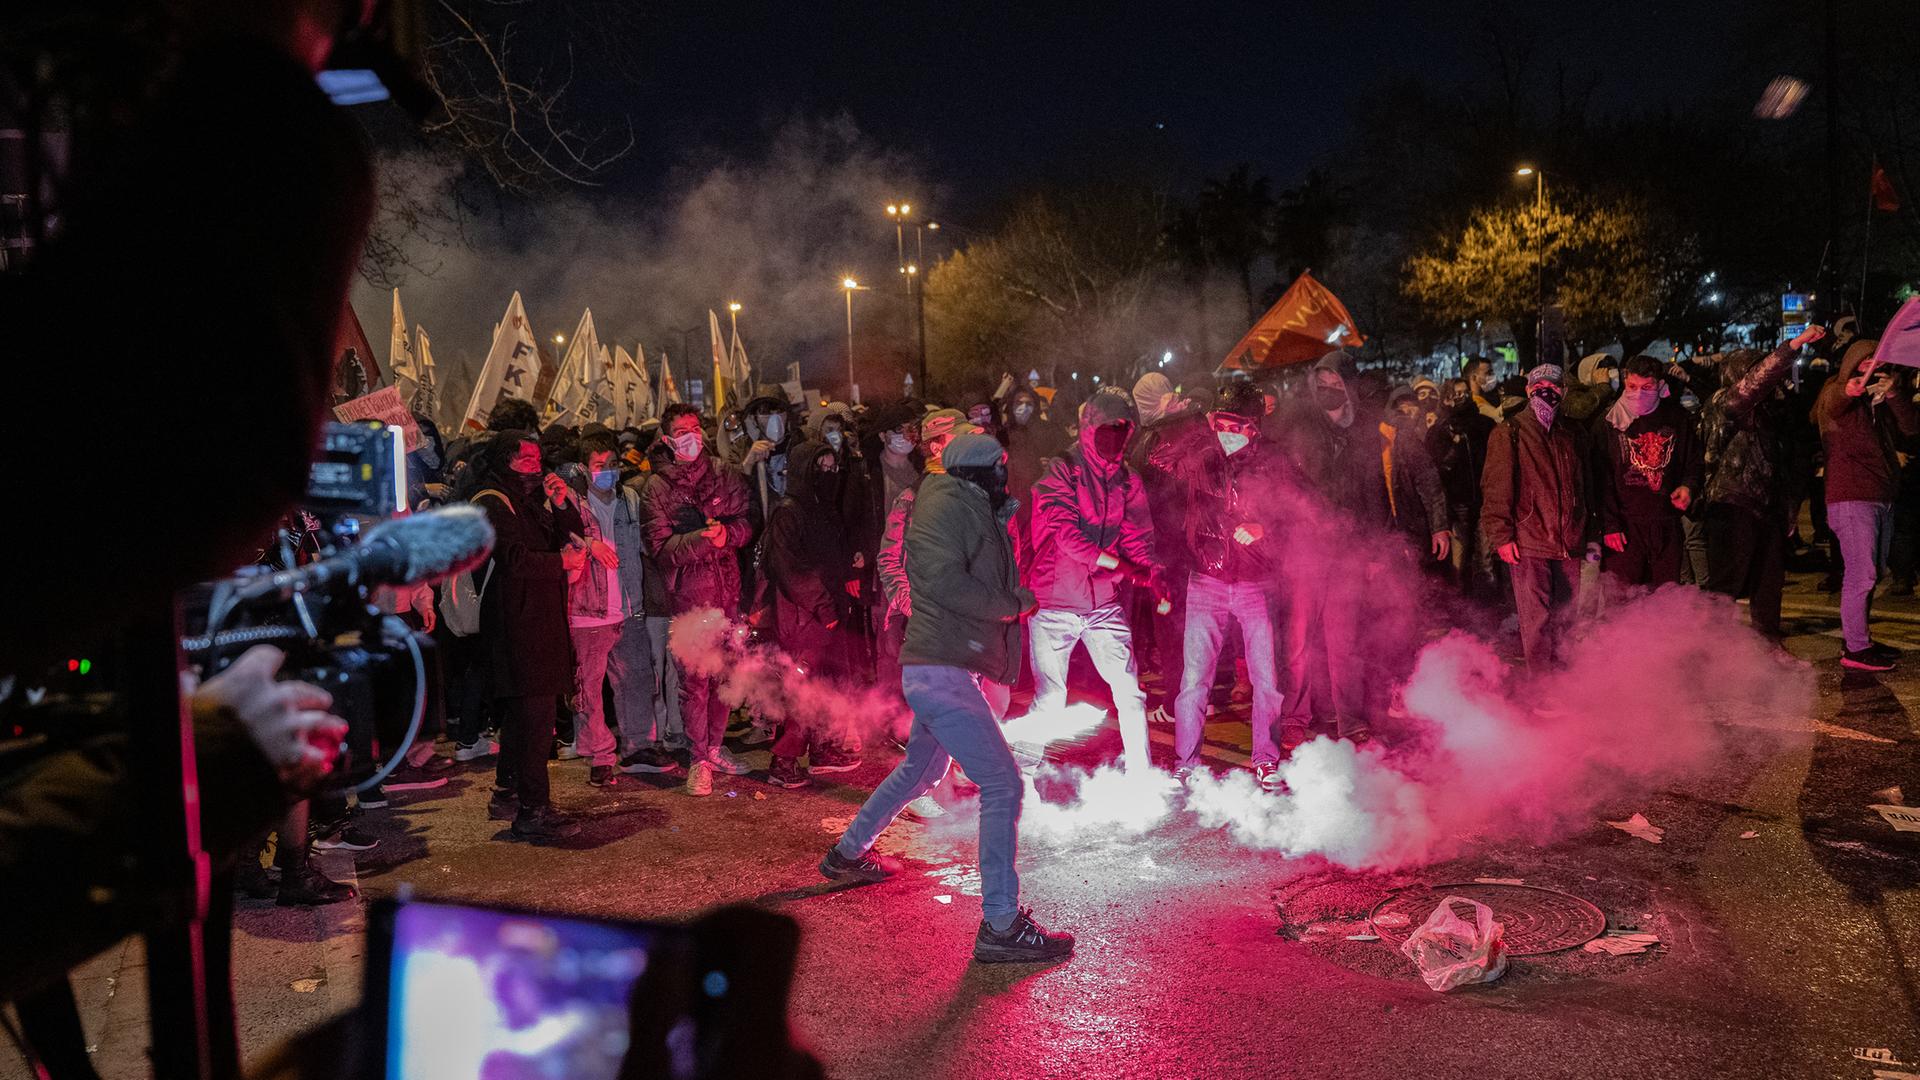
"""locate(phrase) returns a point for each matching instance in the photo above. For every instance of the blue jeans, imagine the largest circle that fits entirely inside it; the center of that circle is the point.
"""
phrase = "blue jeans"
(1052, 634)
(952, 721)
(1864, 531)
(1211, 603)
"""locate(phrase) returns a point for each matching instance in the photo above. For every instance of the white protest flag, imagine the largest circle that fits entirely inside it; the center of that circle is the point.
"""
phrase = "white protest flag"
(720, 387)
(573, 385)
(601, 406)
(623, 391)
(669, 393)
(424, 399)
(511, 371)
(645, 405)
(737, 367)
(400, 363)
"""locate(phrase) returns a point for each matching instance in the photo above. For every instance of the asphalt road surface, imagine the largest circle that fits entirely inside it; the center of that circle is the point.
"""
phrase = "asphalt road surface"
(1787, 915)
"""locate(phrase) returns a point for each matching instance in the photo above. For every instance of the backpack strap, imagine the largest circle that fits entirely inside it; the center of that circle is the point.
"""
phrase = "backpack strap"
(498, 494)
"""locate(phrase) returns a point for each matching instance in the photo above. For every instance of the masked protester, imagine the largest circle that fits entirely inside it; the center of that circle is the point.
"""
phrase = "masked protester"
(1647, 467)
(1484, 386)
(809, 562)
(1864, 411)
(1164, 416)
(696, 525)
(523, 623)
(968, 602)
(1426, 397)
(608, 612)
(1230, 541)
(1092, 536)
(1458, 446)
(1032, 440)
(1596, 385)
(939, 429)
(1745, 428)
(1535, 511)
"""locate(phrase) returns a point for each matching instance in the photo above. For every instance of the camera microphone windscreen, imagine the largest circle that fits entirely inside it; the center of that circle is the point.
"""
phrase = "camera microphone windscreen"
(426, 547)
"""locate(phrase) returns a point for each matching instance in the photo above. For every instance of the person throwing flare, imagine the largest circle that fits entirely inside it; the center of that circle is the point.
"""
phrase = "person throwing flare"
(965, 627)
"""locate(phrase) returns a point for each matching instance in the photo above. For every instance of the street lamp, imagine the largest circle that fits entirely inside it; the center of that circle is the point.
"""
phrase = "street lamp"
(1539, 256)
(850, 286)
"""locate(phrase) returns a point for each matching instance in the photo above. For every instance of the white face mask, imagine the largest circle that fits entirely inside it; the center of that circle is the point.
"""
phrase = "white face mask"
(1232, 441)
(1487, 383)
(899, 444)
(776, 427)
(686, 447)
(834, 439)
(1022, 413)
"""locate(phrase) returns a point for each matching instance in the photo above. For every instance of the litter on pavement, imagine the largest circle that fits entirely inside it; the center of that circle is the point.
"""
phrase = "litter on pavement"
(1639, 826)
(1451, 952)
(1748, 835)
(1363, 937)
(1902, 818)
(1621, 943)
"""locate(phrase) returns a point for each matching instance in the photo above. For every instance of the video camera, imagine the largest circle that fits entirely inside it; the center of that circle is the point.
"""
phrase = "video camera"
(312, 595)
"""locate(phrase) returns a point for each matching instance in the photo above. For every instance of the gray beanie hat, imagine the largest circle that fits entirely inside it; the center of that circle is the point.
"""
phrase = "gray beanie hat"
(971, 450)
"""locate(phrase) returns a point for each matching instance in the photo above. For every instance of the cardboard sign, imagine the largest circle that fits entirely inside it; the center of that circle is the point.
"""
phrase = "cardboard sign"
(385, 406)
(1901, 343)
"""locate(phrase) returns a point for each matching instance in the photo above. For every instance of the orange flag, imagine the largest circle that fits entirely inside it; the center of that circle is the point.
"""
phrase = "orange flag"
(1307, 323)
(1885, 198)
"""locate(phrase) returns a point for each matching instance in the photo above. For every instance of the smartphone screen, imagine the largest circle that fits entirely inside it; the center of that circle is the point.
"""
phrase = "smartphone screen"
(475, 993)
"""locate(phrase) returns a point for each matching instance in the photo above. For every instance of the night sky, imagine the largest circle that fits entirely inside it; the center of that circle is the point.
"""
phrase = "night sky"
(991, 97)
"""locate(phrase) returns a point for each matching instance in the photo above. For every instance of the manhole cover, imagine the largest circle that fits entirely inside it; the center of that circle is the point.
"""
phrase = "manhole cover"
(1533, 920)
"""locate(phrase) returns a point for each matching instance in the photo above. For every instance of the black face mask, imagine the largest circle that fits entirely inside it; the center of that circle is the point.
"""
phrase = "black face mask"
(1329, 399)
(1110, 440)
(989, 478)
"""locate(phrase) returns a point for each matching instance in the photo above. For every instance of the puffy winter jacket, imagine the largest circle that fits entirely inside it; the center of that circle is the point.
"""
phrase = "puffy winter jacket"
(1535, 487)
(1745, 430)
(680, 499)
(967, 598)
(1081, 511)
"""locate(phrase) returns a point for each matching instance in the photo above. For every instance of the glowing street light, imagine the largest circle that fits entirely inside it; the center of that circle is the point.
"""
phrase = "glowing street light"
(850, 286)
(559, 339)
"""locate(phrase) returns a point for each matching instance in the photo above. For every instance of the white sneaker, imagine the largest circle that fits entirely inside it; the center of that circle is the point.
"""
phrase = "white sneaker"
(699, 778)
(475, 750)
(756, 736)
(723, 760)
(566, 752)
(1160, 715)
(925, 808)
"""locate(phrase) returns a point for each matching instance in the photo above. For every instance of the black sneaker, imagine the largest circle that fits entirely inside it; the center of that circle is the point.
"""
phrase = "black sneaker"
(374, 798)
(1866, 660)
(1886, 652)
(307, 887)
(345, 838)
(785, 772)
(829, 759)
(1025, 942)
(503, 806)
(649, 759)
(601, 775)
(411, 778)
(545, 823)
(868, 867)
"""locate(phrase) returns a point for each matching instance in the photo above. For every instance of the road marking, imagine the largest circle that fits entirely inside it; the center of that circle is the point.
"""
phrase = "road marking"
(1208, 749)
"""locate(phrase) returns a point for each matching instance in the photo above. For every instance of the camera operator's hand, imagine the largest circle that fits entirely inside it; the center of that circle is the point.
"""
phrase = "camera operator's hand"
(289, 721)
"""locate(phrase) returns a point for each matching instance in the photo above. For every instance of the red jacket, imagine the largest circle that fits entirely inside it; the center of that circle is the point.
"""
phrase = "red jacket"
(1081, 511)
(679, 501)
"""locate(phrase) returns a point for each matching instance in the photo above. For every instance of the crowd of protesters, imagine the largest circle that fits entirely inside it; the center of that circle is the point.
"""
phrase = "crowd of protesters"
(1330, 515)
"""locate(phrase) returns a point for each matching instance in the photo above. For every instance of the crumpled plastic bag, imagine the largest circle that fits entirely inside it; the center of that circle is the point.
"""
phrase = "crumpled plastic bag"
(1450, 951)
